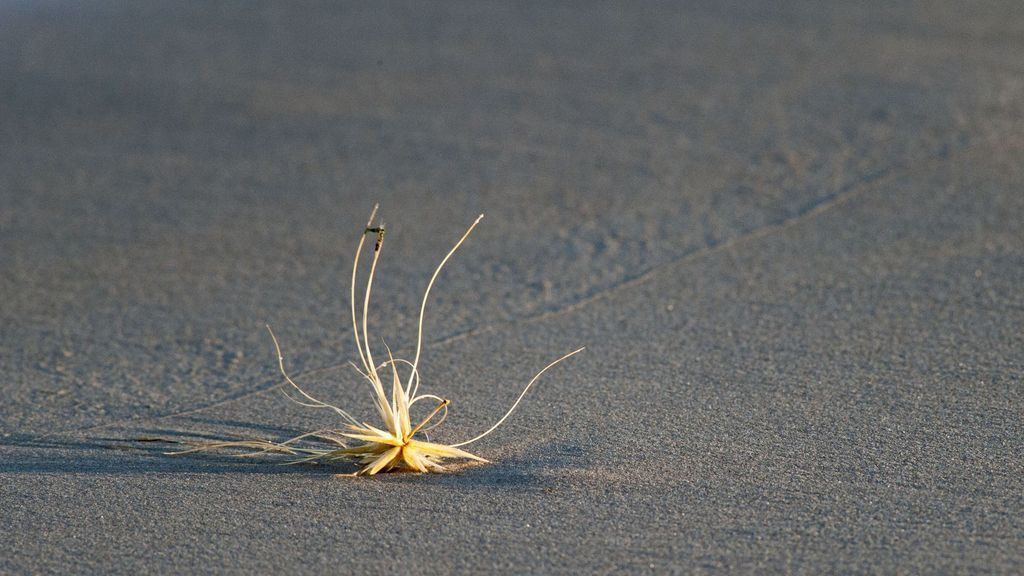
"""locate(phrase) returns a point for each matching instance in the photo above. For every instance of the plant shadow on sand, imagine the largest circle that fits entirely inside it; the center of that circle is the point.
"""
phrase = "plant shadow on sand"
(146, 453)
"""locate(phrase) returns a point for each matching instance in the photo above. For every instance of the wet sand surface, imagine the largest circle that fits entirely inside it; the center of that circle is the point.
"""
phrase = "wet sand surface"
(790, 234)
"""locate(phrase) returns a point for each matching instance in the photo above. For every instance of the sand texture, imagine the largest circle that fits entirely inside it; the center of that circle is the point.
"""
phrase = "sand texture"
(790, 234)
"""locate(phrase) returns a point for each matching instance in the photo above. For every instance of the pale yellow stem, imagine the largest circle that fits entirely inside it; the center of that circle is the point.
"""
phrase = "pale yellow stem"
(525, 390)
(352, 285)
(423, 305)
(371, 367)
(443, 404)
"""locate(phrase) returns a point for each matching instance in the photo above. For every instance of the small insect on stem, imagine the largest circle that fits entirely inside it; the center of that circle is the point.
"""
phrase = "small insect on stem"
(396, 444)
(379, 231)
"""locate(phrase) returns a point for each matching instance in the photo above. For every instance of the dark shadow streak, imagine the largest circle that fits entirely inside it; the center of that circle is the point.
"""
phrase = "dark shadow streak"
(145, 456)
(518, 475)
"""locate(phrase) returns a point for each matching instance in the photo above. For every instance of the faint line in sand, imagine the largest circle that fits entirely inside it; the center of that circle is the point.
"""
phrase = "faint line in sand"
(842, 196)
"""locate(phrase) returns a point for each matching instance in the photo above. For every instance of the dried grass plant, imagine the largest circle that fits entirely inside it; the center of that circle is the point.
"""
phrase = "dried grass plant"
(396, 444)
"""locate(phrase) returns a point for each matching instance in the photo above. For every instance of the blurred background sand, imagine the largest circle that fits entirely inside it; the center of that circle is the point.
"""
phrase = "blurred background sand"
(791, 235)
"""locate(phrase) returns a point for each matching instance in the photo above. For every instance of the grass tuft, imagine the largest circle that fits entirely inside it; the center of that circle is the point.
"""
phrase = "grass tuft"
(396, 443)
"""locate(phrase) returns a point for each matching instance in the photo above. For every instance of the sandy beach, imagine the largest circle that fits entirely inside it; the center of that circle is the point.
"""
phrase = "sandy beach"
(789, 234)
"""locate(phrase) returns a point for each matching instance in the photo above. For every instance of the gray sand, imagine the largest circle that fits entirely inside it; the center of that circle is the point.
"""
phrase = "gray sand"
(791, 236)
